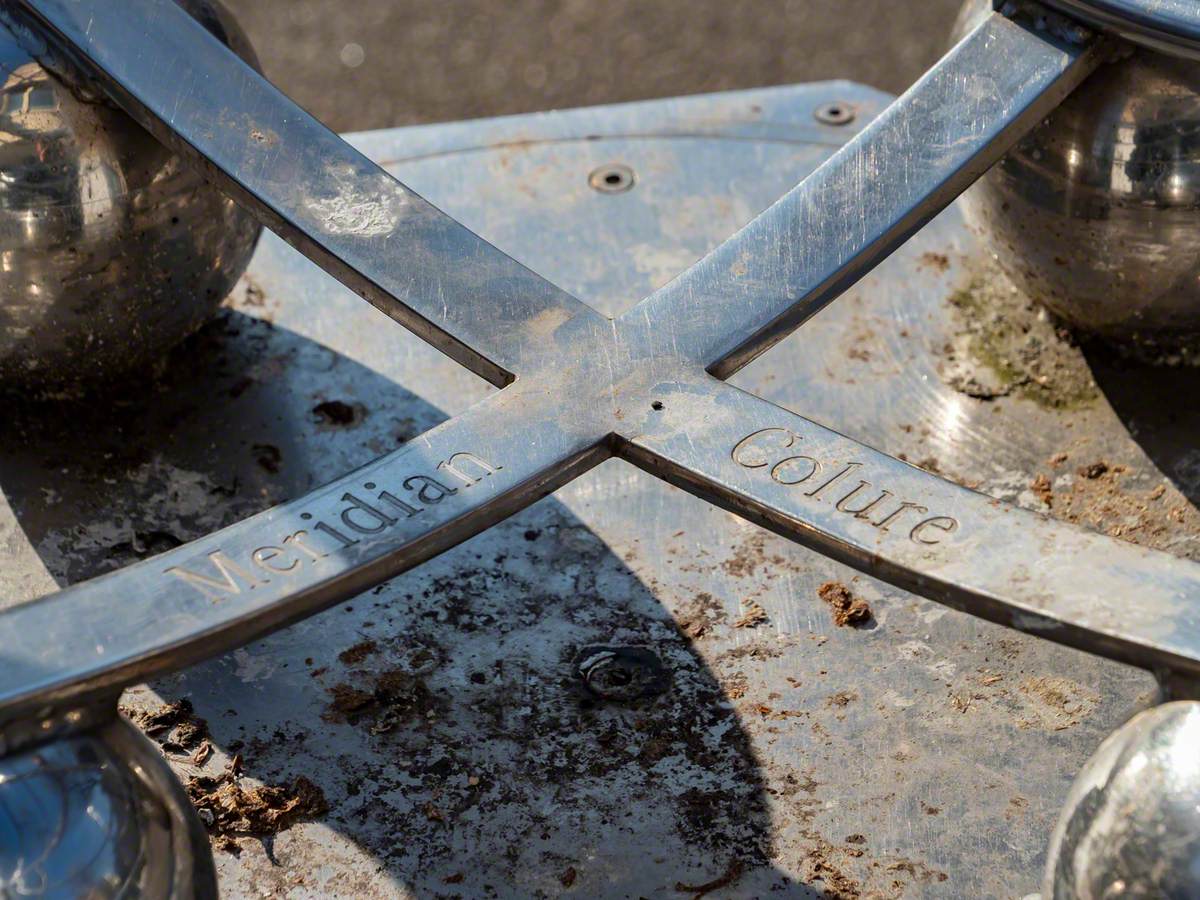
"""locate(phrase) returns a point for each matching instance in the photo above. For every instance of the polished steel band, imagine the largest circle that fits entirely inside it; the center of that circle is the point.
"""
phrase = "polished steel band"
(1172, 26)
(582, 387)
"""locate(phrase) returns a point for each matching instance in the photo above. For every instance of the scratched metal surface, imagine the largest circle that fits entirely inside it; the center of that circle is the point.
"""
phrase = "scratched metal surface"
(946, 744)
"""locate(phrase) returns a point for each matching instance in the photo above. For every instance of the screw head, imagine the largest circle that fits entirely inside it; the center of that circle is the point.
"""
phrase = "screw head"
(621, 674)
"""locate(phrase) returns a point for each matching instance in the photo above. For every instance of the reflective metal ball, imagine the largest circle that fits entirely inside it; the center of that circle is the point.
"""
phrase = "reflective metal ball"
(1096, 213)
(111, 249)
(99, 815)
(1131, 824)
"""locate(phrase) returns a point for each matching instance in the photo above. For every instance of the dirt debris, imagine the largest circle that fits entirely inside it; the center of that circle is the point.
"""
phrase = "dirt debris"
(352, 656)
(338, 413)
(202, 754)
(752, 616)
(731, 874)
(1107, 498)
(841, 699)
(699, 617)
(175, 726)
(918, 871)
(1055, 703)
(939, 262)
(819, 866)
(229, 809)
(1044, 490)
(749, 555)
(847, 609)
(394, 698)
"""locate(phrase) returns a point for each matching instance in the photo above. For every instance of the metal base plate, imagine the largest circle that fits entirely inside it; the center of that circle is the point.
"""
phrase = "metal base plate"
(927, 754)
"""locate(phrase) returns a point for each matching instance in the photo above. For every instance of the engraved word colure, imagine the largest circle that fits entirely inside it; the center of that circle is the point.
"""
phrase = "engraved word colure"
(772, 450)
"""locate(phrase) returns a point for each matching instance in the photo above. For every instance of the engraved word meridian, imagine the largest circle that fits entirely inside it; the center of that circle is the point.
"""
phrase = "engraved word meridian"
(338, 529)
(768, 447)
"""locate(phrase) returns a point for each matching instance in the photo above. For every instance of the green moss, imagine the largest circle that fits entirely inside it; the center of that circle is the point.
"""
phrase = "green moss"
(1020, 346)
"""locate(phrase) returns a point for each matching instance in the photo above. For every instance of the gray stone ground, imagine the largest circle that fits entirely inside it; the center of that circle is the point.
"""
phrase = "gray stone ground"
(361, 64)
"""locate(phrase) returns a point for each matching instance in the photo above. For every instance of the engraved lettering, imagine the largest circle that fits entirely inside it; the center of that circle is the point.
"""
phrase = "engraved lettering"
(298, 540)
(263, 555)
(757, 462)
(864, 501)
(850, 467)
(861, 513)
(452, 466)
(378, 523)
(389, 497)
(777, 470)
(883, 524)
(941, 523)
(213, 588)
(345, 541)
(431, 491)
(358, 516)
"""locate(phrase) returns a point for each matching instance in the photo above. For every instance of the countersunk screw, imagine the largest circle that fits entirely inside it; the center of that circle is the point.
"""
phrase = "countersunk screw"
(836, 113)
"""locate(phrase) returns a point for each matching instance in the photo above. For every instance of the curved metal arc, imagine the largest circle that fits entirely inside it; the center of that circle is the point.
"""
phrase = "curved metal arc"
(923, 533)
(382, 240)
(269, 570)
(1172, 26)
(867, 199)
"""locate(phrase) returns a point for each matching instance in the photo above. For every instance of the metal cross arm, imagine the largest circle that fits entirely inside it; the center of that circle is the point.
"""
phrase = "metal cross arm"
(586, 387)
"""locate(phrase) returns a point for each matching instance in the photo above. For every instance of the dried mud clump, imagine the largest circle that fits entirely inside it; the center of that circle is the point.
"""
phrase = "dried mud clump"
(847, 609)
(175, 727)
(228, 809)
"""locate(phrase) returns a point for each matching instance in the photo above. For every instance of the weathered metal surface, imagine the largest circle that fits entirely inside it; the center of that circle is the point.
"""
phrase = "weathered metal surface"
(585, 387)
(779, 270)
(947, 743)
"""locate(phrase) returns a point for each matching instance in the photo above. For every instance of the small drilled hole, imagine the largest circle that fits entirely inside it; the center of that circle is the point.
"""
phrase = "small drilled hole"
(657, 406)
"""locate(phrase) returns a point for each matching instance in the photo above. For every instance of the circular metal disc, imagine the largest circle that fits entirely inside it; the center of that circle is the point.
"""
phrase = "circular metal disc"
(1169, 25)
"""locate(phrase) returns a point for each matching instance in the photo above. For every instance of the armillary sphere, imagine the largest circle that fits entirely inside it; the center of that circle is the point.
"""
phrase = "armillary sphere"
(578, 388)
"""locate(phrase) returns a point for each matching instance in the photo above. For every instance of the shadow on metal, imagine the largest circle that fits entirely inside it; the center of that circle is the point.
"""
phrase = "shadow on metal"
(488, 762)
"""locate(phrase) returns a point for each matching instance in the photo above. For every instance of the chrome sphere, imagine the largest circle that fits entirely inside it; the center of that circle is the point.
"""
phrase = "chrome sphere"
(1131, 825)
(1096, 213)
(99, 815)
(111, 249)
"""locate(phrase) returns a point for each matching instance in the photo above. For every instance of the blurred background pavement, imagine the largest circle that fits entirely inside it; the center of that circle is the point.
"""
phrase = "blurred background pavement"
(360, 64)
